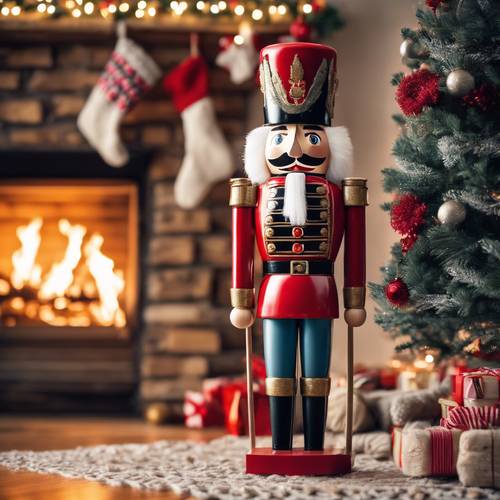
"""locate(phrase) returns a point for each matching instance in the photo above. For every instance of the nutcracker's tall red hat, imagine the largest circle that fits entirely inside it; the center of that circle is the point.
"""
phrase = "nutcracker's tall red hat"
(298, 81)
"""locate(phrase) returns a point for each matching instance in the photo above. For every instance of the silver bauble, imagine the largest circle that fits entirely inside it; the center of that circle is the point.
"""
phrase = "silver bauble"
(410, 49)
(460, 82)
(451, 212)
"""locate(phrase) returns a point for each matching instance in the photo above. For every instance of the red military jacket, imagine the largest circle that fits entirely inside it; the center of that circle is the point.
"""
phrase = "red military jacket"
(293, 292)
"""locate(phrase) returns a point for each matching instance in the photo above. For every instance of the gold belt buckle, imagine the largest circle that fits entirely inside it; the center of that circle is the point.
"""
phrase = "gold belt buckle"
(299, 267)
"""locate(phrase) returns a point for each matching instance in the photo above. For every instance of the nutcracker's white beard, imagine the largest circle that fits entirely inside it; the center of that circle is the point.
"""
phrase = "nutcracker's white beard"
(295, 203)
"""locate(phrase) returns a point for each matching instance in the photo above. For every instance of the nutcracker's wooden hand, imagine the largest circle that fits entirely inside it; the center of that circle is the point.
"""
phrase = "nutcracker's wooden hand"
(242, 317)
(355, 317)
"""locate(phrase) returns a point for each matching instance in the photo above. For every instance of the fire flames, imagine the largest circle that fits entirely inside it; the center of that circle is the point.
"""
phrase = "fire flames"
(82, 289)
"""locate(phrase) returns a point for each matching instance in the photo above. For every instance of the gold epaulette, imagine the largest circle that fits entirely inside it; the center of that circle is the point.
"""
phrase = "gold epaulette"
(243, 193)
(355, 192)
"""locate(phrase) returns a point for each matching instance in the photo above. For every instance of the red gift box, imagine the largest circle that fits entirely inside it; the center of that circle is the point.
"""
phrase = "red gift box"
(200, 412)
(472, 377)
(236, 410)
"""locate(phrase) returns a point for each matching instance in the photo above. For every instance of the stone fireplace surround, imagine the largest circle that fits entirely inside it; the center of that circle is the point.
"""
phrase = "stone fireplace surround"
(183, 334)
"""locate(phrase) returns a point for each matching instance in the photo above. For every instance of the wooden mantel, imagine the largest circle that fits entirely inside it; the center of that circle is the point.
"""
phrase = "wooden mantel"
(162, 28)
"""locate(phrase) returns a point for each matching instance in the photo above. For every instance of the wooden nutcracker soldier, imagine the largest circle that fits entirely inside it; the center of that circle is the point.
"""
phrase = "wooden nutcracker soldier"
(298, 204)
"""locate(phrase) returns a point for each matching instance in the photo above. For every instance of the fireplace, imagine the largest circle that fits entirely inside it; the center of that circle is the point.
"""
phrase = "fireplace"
(69, 256)
(69, 281)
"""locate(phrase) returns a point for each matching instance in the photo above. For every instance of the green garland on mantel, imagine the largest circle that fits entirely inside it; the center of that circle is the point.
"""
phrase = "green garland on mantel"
(319, 17)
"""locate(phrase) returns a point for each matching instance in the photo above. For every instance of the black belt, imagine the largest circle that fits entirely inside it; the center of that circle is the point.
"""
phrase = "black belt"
(298, 267)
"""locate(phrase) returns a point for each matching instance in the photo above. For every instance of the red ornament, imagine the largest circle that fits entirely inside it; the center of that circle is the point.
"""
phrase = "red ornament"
(485, 98)
(433, 4)
(297, 232)
(417, 90)
(297, 248)
(300, 30)
(397, 292)
(407, 215)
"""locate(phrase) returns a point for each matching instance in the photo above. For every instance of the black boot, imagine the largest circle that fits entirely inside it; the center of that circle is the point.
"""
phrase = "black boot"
(282, 408)
(314, 411)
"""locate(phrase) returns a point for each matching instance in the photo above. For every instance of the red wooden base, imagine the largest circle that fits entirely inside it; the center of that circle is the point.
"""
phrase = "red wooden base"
(297, 462)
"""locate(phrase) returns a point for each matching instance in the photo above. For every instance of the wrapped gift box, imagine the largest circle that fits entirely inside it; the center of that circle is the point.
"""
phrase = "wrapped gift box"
(477, 388)
(426, 452)
(471, 417)
(478, 462)
(236, 411)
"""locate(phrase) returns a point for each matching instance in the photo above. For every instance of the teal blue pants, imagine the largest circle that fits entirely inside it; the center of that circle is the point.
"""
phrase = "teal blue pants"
(280, 347)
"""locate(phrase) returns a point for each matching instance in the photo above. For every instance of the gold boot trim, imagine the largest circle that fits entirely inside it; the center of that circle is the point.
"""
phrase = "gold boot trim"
(317, 387)
(281, 386)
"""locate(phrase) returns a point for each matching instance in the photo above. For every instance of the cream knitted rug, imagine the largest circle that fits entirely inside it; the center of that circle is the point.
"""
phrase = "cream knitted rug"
(215, 470)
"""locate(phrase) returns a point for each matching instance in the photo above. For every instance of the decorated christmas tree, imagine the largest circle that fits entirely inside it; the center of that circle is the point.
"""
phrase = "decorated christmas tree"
(441, 287)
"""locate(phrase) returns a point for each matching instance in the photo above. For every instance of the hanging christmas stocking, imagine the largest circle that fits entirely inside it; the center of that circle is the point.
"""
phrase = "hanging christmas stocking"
(240, 59)
(128, 75)
(207, 157)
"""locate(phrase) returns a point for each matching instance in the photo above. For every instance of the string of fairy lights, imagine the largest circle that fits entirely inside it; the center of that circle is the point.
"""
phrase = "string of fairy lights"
(259, 11)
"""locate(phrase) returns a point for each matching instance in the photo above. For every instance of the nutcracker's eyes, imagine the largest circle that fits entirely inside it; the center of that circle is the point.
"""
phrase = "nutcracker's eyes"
(278, 139)
(314, 139)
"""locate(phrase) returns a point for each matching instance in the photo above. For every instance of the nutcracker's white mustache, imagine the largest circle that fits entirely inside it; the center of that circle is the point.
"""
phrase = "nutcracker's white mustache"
(295, 203)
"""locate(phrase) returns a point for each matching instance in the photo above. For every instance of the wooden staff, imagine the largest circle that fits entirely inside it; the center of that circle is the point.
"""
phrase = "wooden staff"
(349, 402)
(251, 417)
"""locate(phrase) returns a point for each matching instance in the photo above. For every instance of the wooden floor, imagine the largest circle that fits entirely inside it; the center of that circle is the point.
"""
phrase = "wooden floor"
(29, 433)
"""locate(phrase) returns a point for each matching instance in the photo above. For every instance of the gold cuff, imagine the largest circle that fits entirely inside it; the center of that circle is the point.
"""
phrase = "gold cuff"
(354, 297)
(243, 193)
(242, 297)
(315, 387)
(355, 192)
(281, 386)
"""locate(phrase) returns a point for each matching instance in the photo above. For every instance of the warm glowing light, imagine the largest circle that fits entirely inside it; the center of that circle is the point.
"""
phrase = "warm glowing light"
(123, 7)
(200, 5)
(76, 13)
(88, 8)
(61, 303)
(273, 9)
(142, 5)
(396, 363)
(4, 287)
(429, 358)
(214, 9)
(239, 40)
(51, 9)
(257, 14)
(282, 10)
(112, 8)
(222, 5)
(307, 8)
(139, 13)
(5, 11)
(152, 11)
(25, 270)
(420, 363)
(109, 283)
(16, 10)
(174, 5)
(17, 303)
(70, 4)
(239, 10)
(60, 276)
(41, 8)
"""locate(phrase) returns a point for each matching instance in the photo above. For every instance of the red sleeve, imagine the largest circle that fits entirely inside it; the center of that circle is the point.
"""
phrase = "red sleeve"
(243, 246)
(355, 247)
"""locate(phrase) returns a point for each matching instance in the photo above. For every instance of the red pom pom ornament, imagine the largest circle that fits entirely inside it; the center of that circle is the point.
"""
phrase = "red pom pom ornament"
(407, 214)
(397, 292)
(416, 91)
